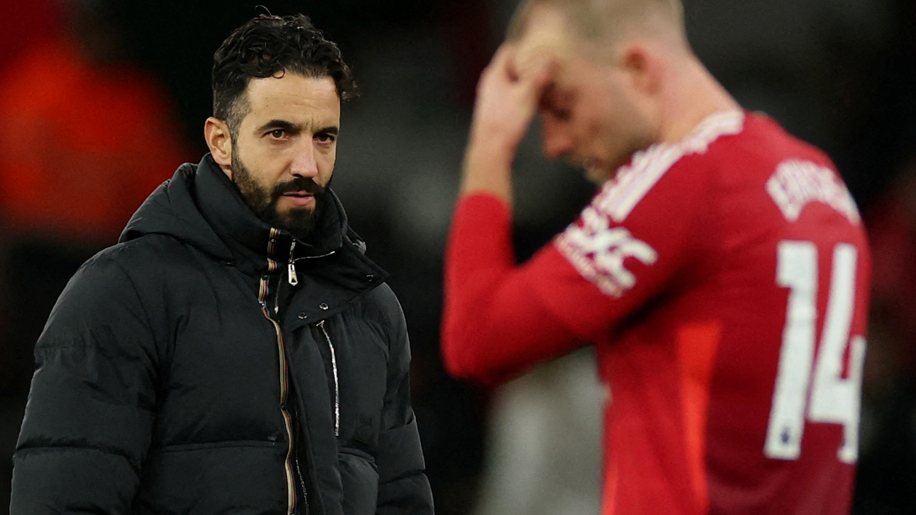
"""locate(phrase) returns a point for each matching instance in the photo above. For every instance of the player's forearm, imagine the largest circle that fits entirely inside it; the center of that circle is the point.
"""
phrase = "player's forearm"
(487, 168)
(496, 324)
(479, 253)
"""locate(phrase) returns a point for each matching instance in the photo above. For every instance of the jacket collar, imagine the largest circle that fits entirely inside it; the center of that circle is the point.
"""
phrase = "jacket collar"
(255, 245)
(200, 206)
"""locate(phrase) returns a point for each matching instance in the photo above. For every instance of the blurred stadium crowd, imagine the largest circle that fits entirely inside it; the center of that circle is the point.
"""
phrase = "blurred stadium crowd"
(101, 100)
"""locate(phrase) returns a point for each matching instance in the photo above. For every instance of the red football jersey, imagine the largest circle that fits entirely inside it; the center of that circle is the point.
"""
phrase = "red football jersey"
(724, 280)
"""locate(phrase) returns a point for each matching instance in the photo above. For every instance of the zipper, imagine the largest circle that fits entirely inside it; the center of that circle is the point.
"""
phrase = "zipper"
(336, 381)
(305, 492)
(287, 419)
(293, 278)
(263, 289)
(292, 458)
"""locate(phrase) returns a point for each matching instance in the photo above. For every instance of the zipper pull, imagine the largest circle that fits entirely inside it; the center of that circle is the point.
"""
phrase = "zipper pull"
(293, 278)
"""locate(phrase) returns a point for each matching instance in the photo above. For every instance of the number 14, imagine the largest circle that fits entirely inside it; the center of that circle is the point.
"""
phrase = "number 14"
(829, 398)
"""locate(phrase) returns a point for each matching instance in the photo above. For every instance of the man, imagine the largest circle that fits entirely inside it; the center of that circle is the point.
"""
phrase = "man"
(236, 351)
(721, 270)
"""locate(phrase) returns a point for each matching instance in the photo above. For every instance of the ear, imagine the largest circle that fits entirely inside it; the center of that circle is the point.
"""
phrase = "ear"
(643, 67)
(219, 140)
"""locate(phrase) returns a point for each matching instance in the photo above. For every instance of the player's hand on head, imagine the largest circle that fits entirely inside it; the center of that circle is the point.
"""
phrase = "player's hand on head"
(507, 98)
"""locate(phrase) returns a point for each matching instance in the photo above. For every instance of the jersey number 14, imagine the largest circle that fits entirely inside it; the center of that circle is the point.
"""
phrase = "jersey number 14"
(808, 386)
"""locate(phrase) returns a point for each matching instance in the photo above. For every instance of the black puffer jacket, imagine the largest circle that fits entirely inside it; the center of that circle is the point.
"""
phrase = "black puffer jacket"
(178, 365)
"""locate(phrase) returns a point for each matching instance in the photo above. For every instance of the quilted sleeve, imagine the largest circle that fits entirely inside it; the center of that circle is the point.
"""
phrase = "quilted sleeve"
(88, 422)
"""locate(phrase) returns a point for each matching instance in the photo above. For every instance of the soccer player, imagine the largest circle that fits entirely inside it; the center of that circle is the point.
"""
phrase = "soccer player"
(721, 270)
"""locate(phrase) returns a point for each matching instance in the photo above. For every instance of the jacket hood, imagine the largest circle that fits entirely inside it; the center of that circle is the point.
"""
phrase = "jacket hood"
(200, 206)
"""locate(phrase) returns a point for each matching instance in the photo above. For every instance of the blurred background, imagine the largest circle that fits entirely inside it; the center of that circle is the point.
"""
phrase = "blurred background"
(101, 100)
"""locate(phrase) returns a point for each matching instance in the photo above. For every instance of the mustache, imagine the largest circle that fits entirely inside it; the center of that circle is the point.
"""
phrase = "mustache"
(298, 184)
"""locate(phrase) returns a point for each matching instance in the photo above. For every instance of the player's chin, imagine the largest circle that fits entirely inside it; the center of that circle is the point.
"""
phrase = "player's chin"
(597, 174)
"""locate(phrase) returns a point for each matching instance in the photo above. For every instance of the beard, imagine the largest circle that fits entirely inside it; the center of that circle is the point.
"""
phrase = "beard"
(299, 221)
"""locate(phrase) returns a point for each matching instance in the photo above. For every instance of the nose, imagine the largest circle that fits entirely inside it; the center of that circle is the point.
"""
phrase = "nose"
(304, 162)
(555, 137)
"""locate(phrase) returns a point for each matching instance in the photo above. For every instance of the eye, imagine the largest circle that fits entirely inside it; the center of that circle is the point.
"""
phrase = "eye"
(560, 112)
(557, 113)
(277, 133)
(556, 103)
(325, 137)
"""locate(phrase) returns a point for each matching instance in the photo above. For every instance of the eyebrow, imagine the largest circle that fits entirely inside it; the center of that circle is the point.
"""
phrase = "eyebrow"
(294, 128)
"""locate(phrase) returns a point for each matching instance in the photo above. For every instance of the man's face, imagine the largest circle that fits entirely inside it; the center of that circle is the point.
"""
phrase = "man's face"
(284, 154)
(590, 114)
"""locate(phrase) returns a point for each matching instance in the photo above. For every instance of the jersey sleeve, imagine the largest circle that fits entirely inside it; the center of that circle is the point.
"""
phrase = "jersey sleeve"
(624, 249)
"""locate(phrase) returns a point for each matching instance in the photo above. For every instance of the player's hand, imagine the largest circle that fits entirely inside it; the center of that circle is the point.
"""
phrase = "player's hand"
(507, 98)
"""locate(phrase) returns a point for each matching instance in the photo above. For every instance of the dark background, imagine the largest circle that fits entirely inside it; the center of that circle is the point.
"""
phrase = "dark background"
(837, 73)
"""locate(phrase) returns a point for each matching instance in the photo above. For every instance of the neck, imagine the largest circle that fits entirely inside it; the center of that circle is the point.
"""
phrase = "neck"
(692, 96)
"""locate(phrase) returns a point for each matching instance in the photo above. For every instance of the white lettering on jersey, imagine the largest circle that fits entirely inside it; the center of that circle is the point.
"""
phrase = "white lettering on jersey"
(797, 183)
(598, 252)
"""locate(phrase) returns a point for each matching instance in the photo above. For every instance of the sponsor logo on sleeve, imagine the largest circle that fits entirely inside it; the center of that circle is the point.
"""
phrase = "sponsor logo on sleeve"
(599, 251)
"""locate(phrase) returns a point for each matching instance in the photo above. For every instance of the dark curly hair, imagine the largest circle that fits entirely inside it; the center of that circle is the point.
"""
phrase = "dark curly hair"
(270, 45)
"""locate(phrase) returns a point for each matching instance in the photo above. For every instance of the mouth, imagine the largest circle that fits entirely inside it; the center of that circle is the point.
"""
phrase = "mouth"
(300, 198)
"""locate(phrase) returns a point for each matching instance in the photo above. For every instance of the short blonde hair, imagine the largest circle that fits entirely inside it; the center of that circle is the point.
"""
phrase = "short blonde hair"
(610, 20)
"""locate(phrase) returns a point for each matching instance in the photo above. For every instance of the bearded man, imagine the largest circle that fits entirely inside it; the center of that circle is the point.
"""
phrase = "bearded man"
(236, 351)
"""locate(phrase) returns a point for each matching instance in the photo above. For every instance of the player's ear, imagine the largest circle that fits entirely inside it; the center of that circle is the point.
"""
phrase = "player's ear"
(219, 140)
(642, 68)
